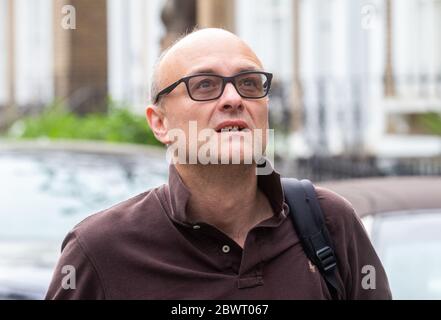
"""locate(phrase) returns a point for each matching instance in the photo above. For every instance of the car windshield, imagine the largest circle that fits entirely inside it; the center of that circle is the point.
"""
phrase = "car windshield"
(45, 194)
(409, 245)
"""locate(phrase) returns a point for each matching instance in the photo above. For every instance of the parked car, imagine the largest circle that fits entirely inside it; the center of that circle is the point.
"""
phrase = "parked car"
(46, 190)
(402, 215)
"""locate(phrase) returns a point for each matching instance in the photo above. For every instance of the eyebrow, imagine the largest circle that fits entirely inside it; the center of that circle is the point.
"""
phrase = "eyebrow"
(210, 70)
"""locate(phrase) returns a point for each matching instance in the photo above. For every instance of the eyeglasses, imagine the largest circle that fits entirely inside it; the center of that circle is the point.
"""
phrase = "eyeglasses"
(208, 86)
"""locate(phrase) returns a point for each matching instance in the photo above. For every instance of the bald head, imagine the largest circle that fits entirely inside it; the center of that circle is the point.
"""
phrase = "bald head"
(200, 51)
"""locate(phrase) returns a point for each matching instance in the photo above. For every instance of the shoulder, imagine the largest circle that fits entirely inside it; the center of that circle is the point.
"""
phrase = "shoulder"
(99, 245)
(353, 247)
(119, 221)
(338, 212)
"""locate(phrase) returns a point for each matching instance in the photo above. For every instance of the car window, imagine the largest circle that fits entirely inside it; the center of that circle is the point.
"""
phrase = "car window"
(409, 245)
(43, 195)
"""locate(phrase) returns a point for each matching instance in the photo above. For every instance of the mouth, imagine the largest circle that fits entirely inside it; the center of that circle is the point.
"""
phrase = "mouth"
(232, 126)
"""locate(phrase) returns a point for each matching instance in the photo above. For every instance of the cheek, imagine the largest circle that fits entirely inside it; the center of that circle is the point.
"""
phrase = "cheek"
(195, 116)
(189, 120)
(176, 116)
(181, 111)
(261, 116)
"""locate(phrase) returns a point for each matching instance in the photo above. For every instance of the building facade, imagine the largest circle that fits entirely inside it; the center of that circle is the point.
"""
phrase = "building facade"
(350, 75)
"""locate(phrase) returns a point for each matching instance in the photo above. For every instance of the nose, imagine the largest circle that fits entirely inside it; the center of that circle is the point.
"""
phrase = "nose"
(230, 99)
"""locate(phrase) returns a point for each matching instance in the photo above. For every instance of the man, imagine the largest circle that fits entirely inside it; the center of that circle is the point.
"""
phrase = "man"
(215, 231)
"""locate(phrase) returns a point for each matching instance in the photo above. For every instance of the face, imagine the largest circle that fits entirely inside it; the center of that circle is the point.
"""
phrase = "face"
(200, 122)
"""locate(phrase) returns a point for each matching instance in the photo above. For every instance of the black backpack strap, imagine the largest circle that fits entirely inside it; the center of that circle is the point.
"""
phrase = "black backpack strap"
(310, 225)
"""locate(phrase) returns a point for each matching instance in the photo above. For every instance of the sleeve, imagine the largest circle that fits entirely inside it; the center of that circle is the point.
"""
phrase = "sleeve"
(360, 270)
(367, 278)
(75, 276)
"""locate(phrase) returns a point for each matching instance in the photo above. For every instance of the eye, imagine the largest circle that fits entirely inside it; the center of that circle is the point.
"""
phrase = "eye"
(249, 82)
(205, 84)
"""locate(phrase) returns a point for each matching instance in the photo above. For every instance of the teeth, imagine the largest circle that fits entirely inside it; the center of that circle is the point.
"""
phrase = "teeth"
(230, 128)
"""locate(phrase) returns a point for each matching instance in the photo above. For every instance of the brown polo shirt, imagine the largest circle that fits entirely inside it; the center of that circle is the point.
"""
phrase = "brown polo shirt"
(144, 248)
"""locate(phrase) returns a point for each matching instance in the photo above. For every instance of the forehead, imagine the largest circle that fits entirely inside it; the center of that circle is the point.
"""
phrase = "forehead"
(217, 52)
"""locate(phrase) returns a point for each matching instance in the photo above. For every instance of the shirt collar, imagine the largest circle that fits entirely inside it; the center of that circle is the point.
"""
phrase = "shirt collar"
(179, 194)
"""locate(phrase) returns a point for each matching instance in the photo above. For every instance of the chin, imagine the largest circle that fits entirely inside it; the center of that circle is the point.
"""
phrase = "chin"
(237, 154)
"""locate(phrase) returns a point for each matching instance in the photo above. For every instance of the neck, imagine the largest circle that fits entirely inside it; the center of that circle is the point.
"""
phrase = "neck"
(225, 196)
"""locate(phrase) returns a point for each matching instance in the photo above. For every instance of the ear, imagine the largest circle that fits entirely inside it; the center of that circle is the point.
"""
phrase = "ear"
(158, 123)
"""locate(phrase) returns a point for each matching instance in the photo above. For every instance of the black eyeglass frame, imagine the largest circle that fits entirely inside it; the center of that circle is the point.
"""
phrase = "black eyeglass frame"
(225, 80)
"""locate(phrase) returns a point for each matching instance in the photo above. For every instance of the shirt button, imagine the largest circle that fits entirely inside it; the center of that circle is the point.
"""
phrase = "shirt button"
(196, 227)
(225, 249)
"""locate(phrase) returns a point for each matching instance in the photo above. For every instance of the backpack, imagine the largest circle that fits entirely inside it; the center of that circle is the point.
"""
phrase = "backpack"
(308, 220)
